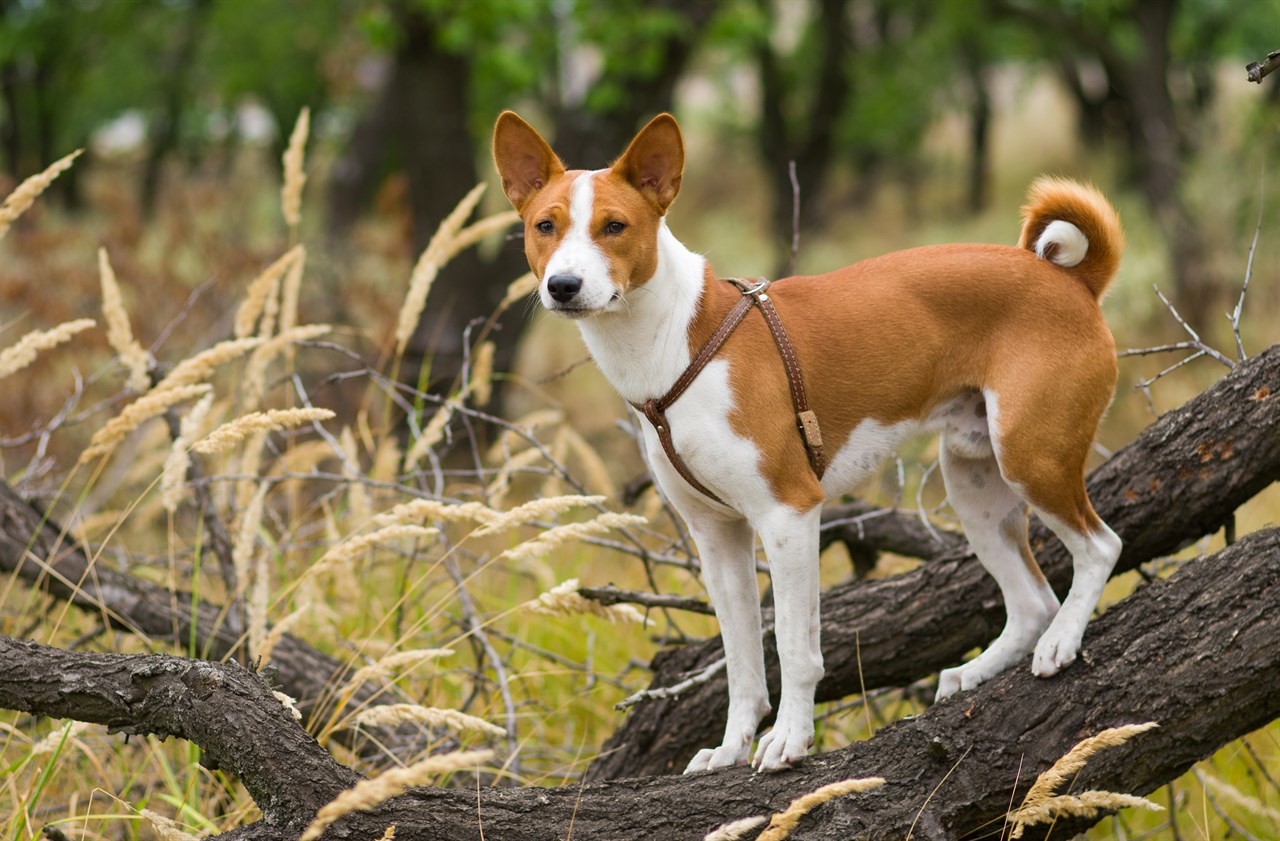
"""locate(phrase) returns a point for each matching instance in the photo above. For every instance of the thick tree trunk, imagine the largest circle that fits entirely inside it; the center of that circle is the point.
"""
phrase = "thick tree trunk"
(1199, 653)
(1182, 478)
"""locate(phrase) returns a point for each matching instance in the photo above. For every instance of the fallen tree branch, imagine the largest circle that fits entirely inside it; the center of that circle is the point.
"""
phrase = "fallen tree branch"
(1182, 478)
(41, 553)
(1199, 653)
(611, 595)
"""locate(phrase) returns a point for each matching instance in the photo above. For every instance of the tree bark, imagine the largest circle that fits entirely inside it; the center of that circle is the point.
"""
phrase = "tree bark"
(1199, 653)
(1182, 478)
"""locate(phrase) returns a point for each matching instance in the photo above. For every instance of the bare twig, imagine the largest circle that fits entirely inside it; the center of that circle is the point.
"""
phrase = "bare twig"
(1244, 287)
(611, 595)
(675, 690)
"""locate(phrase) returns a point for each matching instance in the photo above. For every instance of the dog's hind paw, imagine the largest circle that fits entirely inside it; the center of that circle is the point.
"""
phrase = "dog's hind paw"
(782, 747)
(709, 759)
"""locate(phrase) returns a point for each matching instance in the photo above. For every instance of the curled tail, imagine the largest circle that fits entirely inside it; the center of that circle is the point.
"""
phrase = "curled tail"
(1074, 226)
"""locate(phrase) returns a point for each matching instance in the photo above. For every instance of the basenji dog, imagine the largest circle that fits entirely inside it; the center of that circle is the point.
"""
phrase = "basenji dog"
(1001, 349)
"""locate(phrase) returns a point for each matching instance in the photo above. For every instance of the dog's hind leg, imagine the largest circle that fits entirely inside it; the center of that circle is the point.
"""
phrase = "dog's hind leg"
(726, 549)
(995, 522)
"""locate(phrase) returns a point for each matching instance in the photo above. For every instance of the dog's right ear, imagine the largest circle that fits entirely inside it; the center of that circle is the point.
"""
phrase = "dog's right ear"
(525, 161)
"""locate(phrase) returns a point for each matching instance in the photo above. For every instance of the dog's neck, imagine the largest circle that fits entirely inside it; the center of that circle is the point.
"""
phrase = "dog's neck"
(643, 348)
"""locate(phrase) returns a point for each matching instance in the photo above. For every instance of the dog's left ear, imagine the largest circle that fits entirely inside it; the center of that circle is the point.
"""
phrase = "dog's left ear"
(654, 162)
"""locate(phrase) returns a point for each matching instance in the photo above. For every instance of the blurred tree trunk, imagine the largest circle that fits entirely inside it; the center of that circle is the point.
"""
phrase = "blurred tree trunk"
(176, 77)
(419, 123)
(979, 175)
(812, 145)
(592, 137)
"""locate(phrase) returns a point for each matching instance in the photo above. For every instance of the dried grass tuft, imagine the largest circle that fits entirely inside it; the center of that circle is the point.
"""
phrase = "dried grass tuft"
(394, 665)
(1088, 804)
(520, 288)
(431, 435)
(166, 829)
(29, 190)
(782, 823)
(390, 715)
(265, 287)
(173, 480)
(368, 794)
(564, 599)
(138, 412)
(233, 432)
(18, 356)
(1041, 805)
(119, 333)
(58, 737)
(433, 259)
(480, 385)
(255, 372)
(294, 175)
(536, 509)
(198, 368)
(357, 494)
(432, 509)
(558, 536)
(346, 552)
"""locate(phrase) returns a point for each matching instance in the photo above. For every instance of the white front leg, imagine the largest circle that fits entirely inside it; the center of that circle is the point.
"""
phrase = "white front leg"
(791, 544)
(726, 549)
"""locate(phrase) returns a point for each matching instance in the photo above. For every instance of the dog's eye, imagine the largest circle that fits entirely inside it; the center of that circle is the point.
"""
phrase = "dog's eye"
(614, 227)
(546, 226)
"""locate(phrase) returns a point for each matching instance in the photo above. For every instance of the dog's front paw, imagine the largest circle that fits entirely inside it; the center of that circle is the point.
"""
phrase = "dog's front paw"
(1055, 651)
(783, 746)
(725, 756)
(948, 683)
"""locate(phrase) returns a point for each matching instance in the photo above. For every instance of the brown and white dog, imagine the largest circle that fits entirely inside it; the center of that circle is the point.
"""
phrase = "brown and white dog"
(1003, 350)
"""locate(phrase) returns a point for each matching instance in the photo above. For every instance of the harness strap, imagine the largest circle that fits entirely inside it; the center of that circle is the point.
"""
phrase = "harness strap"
(806, 420)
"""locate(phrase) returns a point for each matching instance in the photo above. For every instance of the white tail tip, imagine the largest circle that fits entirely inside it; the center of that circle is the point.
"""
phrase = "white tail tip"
(1068, 242)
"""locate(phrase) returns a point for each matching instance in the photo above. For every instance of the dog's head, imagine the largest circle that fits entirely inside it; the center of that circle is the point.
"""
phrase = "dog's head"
(591, 237)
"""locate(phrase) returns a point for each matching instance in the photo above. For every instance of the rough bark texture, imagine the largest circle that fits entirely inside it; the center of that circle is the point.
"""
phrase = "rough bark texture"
(1182, 478)
(44, 556)
(1199, 653)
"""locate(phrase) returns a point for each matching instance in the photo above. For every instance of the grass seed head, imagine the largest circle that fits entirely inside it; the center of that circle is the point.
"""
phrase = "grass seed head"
(368, 794)
(21, 354)
(781, 824)
(29, 190)
(119, 332)
(233, 432)
(295, 177)
(146, 407)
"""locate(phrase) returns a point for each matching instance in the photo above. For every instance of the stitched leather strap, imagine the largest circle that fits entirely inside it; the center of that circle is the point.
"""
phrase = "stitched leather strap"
(806, 420)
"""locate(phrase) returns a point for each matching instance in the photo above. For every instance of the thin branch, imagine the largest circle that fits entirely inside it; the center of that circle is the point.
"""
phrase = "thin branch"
(675, 690)
(611, 595)
(795, 216)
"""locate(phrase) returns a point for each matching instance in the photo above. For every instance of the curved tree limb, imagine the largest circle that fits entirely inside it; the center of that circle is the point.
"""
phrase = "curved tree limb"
(1182, 478)
(1199, 653)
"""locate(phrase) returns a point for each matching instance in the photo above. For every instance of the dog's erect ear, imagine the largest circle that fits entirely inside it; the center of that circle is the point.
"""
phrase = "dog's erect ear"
(525, 161)
(654, 162)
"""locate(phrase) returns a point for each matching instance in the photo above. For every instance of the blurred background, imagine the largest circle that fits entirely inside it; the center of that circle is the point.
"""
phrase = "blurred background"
(907, 122)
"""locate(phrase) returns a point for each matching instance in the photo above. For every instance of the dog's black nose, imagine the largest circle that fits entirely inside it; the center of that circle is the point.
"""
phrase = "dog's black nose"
(562, 287)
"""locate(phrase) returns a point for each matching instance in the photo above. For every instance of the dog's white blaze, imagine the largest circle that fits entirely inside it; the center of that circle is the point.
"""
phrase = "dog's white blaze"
(641, 341)
(578, 253)
(1072, 244)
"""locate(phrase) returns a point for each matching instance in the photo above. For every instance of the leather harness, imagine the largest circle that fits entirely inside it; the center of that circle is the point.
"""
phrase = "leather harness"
(753, 294)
